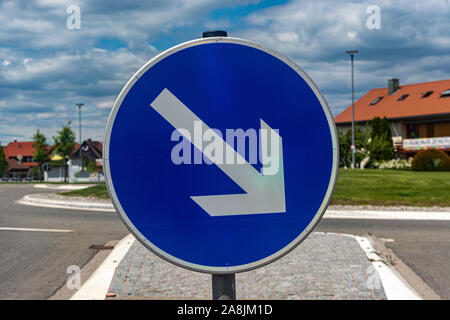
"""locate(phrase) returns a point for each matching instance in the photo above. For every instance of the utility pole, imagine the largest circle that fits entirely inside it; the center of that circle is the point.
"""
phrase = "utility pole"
(79, 105)
(353, 147)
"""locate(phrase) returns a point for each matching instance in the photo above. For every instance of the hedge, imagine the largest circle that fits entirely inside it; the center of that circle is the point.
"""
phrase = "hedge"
(431, 160)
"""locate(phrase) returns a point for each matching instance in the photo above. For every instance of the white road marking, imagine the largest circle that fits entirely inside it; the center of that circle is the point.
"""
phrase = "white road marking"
(64, 186)
(395, 287)
(34, 229)
(96, 287)
(387, 215)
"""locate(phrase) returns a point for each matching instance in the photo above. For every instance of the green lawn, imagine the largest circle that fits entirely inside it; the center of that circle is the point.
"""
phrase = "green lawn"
(97, 191)
(392, 187)
(359, 187)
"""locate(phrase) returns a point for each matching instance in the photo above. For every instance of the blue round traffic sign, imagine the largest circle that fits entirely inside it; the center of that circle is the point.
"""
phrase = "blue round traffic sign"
(220, 155)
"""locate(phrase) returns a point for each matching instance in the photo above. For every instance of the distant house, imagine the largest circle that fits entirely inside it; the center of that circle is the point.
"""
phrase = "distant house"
(91, 152)
(419, 114)
(19, 156)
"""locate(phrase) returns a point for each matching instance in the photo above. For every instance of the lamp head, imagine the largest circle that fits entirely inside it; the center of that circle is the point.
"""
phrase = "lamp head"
(351, 52)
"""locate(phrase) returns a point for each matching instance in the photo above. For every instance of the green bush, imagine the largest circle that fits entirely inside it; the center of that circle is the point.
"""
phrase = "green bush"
(381, 147)
(90, 167)
(36, 173)
(361, 143)
(431, 160)
(3, 163)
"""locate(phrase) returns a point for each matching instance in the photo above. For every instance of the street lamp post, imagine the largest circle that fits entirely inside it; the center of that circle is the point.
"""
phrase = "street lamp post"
(79, 105)
(353, 147)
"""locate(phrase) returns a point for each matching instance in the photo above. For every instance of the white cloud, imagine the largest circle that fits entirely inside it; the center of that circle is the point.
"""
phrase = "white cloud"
(352, 34)
(217, 24)
(47, 68)
(60, 108)
(105, 104)
(44, 115)
(287, 36)
(316, 34)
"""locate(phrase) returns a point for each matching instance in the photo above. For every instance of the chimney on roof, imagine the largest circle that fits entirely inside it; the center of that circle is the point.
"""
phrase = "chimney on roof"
(393, 85)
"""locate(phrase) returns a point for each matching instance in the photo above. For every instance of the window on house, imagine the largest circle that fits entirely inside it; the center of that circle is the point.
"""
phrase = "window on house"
(445, 93)
(374, 102)
(427, 94)
(403, 97)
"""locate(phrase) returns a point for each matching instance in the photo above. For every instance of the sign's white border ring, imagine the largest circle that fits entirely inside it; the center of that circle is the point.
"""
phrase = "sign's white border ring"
(193, 266)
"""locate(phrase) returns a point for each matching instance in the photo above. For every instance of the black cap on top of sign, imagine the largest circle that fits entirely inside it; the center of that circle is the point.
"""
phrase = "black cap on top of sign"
(214, 33)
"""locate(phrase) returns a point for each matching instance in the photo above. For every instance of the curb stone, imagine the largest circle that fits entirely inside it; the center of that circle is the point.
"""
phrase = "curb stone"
(333, 212)
(42, 200)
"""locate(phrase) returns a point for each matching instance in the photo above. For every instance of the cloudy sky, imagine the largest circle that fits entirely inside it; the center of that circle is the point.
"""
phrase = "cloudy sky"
(46, 68)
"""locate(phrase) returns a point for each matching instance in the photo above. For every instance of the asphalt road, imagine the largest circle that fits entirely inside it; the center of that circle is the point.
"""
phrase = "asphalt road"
(33, 264)
(423, 245)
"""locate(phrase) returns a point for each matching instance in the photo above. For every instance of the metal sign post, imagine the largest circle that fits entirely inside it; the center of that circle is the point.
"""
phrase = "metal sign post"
(223, 285)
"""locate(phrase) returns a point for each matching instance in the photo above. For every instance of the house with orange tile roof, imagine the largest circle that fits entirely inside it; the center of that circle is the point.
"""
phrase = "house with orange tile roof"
(419, 114)
(19, 156)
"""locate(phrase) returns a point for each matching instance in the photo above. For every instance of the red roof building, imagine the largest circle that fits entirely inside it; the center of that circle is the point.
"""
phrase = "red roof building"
(419, 113)
(19, 156)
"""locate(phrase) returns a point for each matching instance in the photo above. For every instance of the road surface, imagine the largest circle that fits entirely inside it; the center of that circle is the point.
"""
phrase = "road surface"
(33, 263)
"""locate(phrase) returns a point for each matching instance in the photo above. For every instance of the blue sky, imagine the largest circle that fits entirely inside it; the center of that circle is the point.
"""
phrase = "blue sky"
(45, 68)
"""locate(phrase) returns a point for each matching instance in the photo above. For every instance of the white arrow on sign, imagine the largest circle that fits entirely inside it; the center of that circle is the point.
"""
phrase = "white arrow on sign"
(264, 193)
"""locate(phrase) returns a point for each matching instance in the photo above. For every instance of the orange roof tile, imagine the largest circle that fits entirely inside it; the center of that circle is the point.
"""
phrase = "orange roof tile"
(25, 148)
(390, 107)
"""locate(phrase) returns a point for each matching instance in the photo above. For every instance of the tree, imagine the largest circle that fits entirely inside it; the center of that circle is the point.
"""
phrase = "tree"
(40, 151)
(64, 144)
(381, 146)
(380, 127)
(345, 141)
(3, 163)
(361, 144)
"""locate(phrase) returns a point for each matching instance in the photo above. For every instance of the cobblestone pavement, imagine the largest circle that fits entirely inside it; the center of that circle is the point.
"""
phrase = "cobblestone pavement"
(324, 266)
